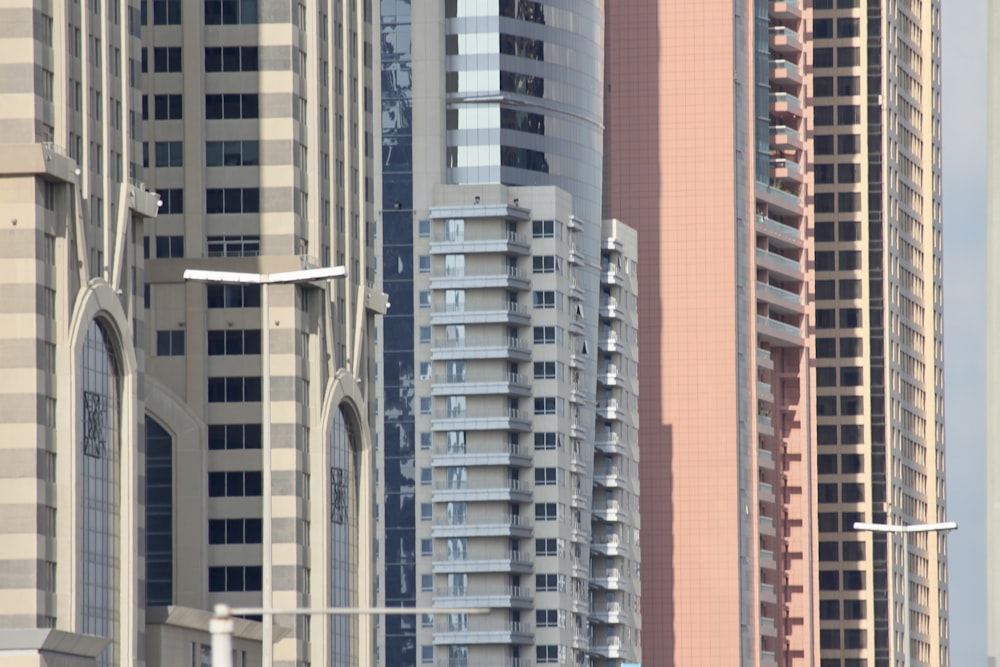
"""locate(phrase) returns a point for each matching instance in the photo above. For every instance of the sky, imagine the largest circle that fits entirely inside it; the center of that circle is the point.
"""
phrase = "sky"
(964, 118)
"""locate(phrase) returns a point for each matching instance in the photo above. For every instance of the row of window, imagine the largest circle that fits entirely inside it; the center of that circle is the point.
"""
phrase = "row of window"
(234, 484)
(234, 531)
(234, 578)
(826, 318)
(229, 106)
(217, 154)
(544, 440)
(218, 246)
(217, 12)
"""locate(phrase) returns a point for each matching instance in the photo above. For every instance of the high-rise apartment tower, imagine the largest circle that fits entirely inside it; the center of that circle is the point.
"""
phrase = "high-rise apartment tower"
(511, 342)
(706, 154)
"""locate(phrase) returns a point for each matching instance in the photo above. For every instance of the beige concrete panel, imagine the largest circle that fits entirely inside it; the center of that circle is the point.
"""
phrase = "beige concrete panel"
(16, 22)
(16, 408)
(17, 77)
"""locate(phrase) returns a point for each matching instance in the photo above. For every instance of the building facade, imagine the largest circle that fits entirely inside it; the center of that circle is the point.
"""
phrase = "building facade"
(707, 155)
(72, 344)
(504, 352)
(879, 345)
(992, 358)
(259, 135)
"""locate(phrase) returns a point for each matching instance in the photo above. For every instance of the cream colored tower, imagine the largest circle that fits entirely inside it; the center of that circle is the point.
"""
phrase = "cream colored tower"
(260, 137)
(879, 351)
(71, 345)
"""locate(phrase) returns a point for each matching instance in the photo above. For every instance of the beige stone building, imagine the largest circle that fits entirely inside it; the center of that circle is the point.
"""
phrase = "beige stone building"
(170, 444)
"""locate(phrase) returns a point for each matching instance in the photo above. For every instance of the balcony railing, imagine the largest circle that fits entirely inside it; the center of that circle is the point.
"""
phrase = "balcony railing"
(498, 341)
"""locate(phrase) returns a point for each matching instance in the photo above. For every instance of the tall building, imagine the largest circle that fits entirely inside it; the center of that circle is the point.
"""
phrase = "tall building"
(848, 94)
(879, 346)
(71, 348)
(706, 154)
(507, 347)
(992, 357)
(260, 398)
(144, 482)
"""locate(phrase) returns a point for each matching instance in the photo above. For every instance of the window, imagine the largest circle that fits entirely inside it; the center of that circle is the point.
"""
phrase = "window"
(169, 153)
(426, 476)
(826, 464)
(232, 153)
(165, 12)
(236, 483)
(172, 200)
(547, 654)
(849, 114)
(546, 476)
(234, 389)
(233, 296)
(822, 116)
(829, 551)
(829, 610)
(547, 547)
(826, 289)
(545, 335)
(543, 229)
(426, 582)
(823, 144)
(229, 342)
(826, 318)
(231, 106)
(230, 12)
(545, 299)
(850, 318)
(426, 511)
(170, 343)
(234, 578)
(826, 260)
(167, 107)
(232, 200)
(548, 441)
(547, 618)
(426, 547)
(424, 263)
(545, 370)
(848, 27)
(425, 334)
(234, 436)
(854, 551)
(233, 246)
(546, 583)
(424, 228)
(167, 59)
(854, 580)
(823, 28)
(828, 522)
(546, 511)
(823, 57)
(231, 59)
(850, 347)
(849, 173)
(545, 405)
(426, 651)
(546, 264)
(234, 531)
(851, 405)
(852, 492)
(854, 610)
(169, 246)
(826, 406)
(848, 85)
(849, 230)
(826, 377)
(850, 376)
(826, 493)
(850, 260)
(824, 231)
(848, 144)
(829, 639)
(823, 86)
(829, 580)
(826, 434)
(425, 406)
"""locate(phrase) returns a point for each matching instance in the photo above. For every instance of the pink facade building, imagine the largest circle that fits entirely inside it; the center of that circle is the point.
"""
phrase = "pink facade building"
(705, 156)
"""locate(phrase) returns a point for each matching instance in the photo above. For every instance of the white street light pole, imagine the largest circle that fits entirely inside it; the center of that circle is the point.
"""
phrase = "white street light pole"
(265, 280)
(905, 531)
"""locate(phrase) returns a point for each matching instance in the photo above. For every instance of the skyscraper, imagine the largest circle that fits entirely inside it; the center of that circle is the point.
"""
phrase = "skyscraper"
(71, 276)
(259, 136)
(879, 345)
(232, 461)
(992, 357)
(706, 153)
(506, 347)
(851, 116)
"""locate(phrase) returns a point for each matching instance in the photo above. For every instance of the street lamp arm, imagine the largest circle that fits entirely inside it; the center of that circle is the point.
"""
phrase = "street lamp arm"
(303, 276)
(912, 528)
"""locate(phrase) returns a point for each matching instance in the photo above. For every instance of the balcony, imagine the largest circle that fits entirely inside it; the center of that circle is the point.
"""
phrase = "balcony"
(786, 72)
(777, 333)
(501, 419)
(610, 341)
(766, 559)
(783, 39)
(765, 525)
(484, 455)
(489, 662)
(765, 459)
(610, 443)
(609, 578)
(495, 347)
(764, 425)
(609, 545)
(472, 241)
(470, 384)
(611, 612)
(786, 170)
(612, 274)
(780, 234)
(785, 105)
(787, 268)
(765, 492)
(478, 630)
(764, 392)
(610, 477)
(485, 525)
(785, 9)
(504, 277)
(609, 647)
(611, 410)
(767, 627)
(513, 490)
(779, 298)
(785, 138)
(502, 597)
(767, 593)
(499, 313)
(610, 511)
(493, 560)
(764, 359)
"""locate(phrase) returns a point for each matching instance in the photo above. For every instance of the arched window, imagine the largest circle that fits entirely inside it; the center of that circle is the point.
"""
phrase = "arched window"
(344, 476)
(159, 515)
(100, 490)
